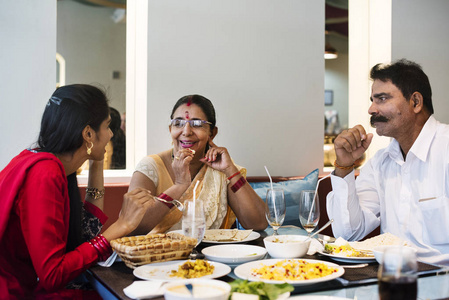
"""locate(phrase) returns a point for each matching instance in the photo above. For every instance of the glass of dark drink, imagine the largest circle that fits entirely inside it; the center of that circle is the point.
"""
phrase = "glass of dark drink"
(398, 274)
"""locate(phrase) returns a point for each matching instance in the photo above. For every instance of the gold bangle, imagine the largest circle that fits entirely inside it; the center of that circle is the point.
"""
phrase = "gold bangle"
(94, 193)
(343, 168)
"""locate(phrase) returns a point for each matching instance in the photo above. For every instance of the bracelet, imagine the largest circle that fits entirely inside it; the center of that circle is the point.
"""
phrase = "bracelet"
(238, 184)
(95, 193)
(168, 198)
(101, 244)
(233, 175)
(343, 168)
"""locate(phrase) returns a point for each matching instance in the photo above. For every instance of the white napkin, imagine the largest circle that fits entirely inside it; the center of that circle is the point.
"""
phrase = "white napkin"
(108, 262)
(143, 289)
(315, 246)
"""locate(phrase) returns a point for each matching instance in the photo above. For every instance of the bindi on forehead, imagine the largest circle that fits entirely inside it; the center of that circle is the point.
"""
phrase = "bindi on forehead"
(187, 115)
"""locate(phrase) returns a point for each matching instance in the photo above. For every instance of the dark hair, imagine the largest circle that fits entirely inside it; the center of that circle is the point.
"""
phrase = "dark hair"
(118, 160)
(70, 109)
(408, 77)
(204, 103)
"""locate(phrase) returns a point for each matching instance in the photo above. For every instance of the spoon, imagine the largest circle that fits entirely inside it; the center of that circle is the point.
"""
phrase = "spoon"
(190, 288)
(178, 204)
(321, 229)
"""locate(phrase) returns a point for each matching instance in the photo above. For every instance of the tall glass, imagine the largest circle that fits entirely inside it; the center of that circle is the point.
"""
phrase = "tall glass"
(398, 274)
(194, 222)
(275, 208)
(309, 210)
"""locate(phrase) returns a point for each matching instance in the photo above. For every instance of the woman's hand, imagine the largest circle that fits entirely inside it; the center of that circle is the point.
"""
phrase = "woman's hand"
(135, 204)
(219, 159)
(181, 163)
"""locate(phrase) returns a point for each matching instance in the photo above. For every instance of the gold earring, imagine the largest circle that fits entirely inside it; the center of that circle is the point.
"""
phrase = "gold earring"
(89, 149)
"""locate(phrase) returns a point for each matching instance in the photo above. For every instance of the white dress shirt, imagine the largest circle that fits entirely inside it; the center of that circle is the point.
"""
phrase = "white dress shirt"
(409, 199)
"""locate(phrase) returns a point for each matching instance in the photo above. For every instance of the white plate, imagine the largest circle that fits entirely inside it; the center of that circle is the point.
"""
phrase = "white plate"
(161, 271)
(349, 259)
(319, 297)
(283, 296)
(245, 271)
(234, 254)
(253, 236)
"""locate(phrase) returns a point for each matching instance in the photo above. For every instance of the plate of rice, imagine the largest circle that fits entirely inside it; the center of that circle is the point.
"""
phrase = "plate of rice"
(182, 270)
(292, 271)
(360, 252)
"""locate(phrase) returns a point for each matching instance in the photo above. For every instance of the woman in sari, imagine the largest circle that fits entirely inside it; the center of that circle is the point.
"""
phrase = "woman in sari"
(194, 158)
(48, 235)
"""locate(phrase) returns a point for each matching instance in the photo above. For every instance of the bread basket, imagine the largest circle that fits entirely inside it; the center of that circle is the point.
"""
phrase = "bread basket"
(151, 248)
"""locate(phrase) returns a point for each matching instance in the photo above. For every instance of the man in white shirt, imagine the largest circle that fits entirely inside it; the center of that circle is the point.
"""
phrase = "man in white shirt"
(404, 188)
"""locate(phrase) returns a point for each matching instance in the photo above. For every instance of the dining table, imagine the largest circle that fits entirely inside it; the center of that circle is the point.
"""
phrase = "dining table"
(355, 283)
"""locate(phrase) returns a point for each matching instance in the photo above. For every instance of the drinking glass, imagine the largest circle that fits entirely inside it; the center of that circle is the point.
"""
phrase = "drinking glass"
(398, 274)
(194, 223)
(309, 210)
(275, 208)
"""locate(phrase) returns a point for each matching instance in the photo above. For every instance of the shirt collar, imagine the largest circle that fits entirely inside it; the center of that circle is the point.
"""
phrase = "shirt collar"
(421, 146)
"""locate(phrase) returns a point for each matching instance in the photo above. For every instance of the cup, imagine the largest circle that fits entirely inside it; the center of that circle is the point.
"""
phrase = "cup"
(275, 208)
(193, 220)
(398, 274)
(309, 210)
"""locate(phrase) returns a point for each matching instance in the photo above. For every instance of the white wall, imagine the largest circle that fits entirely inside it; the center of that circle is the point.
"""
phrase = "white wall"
(419, 33)
(259, 61)
(93, 46)
(28, 68)
(336, 78)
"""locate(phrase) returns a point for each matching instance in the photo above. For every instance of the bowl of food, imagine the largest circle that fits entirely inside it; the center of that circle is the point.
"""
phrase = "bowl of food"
(379, 251)
(203, 289)
(287, 246)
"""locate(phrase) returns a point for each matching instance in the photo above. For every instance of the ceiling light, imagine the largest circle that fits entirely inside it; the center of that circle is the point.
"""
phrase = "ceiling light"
(330, 52)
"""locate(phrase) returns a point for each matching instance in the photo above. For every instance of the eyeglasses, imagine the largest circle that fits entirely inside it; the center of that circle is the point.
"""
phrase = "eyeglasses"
(179, 123)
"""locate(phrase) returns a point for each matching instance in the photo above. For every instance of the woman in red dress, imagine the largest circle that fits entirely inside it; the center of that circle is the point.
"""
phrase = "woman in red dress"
(48, 235)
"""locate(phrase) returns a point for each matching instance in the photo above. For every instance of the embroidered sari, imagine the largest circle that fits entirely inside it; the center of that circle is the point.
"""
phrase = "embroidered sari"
(212, 190)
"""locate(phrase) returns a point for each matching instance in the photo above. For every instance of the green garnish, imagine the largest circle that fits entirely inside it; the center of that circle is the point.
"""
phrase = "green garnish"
(266, 291)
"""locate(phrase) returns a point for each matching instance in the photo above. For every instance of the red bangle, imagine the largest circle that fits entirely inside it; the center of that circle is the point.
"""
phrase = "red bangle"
(101, 244)
(233, 175)
(238, 184)
(168, 198)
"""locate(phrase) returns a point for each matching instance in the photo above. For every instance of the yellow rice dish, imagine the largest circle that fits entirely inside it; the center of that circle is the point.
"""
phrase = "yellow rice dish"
(193, 269)
(293, 270)
(346, 251)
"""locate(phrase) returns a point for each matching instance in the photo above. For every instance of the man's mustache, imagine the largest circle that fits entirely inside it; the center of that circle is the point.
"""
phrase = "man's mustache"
(376, 119)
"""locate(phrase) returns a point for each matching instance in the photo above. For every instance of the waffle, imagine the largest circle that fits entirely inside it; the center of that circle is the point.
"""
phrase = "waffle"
(146, 249)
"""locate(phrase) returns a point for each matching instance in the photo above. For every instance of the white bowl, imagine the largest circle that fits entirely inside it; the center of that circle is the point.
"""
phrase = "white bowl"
(286, 246)
(204, 289)
(379, 251)
(232, 254)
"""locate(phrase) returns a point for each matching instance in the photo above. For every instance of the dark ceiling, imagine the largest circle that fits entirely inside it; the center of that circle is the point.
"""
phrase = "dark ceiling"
(336, 19)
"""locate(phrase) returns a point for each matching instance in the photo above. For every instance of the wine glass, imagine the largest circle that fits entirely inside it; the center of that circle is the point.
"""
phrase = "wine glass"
(398, 274)
(194, 223)
(309, 210)
(275, 208)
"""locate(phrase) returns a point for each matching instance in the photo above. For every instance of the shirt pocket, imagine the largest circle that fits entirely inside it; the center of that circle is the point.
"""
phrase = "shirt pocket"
(435, 214)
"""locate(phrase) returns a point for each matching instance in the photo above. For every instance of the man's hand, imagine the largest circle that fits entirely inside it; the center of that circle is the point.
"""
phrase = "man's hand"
(349, 146)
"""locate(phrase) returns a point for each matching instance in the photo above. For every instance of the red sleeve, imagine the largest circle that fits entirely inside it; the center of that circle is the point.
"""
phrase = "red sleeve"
(95, 211)
(44, 215)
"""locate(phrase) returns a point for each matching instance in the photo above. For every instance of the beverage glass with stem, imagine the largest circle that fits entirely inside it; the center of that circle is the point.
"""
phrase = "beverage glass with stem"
(398, 274)
(275, 208)
(194, 223)
(309, 210)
